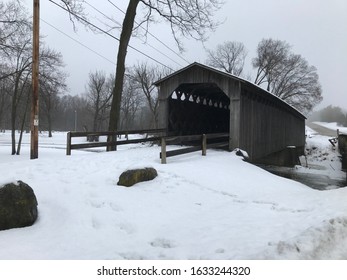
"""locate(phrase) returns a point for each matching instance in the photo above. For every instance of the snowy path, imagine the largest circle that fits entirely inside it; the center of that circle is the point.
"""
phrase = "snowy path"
(322, 130)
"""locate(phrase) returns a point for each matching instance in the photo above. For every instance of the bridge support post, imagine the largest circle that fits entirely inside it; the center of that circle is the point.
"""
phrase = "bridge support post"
(163, 150)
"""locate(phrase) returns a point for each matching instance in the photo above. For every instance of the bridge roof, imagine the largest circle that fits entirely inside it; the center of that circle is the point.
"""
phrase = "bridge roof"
(249, 84)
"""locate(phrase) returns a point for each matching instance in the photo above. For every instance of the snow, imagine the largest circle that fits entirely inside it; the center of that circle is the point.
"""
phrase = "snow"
(333, 126)
(322, 158)
(199, 207)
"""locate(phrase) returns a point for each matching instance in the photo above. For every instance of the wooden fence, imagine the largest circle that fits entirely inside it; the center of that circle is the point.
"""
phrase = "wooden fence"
(195, 142)
(156, 135)
(192, 143)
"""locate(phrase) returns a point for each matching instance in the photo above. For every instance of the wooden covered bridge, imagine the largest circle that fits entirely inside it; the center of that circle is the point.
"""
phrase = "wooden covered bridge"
(199, 99)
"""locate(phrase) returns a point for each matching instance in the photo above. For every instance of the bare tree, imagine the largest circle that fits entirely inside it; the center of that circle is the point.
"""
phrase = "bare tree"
(131, 102)
(16, 62)
(143, 77)
(15, 54)
(52, 83)
(298, 84)
(270, 55)
(99, 93)
(20, 60)
(188, 18)
(287, 75)
(5, 103)
(68, 108)
(12, 17)
(13, 20)
(229, 56)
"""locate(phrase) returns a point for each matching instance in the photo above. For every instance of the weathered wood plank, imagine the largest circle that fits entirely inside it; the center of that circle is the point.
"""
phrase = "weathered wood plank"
(114, 142)
(110, 133)
(181, 151)
(105, 144)
(91, 145)
(134, 141)
(68, 144)
(163, 151)
(204, 144)
(218, 145)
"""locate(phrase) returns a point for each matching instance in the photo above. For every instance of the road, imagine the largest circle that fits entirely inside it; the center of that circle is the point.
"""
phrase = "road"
(322, 130)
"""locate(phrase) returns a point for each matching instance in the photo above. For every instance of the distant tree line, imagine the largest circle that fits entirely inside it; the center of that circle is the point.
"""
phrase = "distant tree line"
(330, 114)
(88, 111)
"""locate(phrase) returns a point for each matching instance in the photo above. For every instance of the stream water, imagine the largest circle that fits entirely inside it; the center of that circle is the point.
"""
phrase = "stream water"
(315, 181)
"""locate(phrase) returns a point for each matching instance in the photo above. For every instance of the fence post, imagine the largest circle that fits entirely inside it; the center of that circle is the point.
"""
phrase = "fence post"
(68, 144)
(163, 150)
(204, 145)
(230, 148)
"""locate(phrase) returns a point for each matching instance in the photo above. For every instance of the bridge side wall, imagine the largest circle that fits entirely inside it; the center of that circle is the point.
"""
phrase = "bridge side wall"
(267, 125)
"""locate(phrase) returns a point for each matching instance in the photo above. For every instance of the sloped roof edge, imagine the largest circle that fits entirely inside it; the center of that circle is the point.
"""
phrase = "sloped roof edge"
(200, 65)
(223, 73)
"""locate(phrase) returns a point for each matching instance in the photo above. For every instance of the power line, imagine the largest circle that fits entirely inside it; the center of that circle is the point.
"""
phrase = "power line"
(120, 25)
(155, 37)
(106, 16)
(78, 42)
(107, 33)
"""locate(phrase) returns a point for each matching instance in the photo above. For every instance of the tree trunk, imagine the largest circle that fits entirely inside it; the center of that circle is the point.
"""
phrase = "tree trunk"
(49, 116)
(22, 125)
(21, 135)
(49, 125)
(14, 115)
(127, 29)
(95, 119)
(13, 131)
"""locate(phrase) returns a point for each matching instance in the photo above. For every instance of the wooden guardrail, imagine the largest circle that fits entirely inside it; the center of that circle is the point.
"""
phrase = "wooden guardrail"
(342, 143)
(156, 135)
(198, 142)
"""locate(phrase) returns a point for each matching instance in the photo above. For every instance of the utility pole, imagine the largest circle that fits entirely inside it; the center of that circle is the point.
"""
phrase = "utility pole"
(34, 148)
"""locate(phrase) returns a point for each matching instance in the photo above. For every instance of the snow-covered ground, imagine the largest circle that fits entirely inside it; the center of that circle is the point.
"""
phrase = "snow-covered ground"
(322, 158)
(333, 126)
(213, 207)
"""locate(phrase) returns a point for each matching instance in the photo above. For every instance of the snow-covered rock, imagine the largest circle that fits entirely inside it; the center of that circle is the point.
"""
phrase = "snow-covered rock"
(18, 205)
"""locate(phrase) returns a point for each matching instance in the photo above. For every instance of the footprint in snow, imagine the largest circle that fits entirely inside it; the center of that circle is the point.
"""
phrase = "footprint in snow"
(96, 204)
(115, 207)
(127, 228)
(220, 251)
(265, 202)
(162, 243)
(96, 224)
(283, 209)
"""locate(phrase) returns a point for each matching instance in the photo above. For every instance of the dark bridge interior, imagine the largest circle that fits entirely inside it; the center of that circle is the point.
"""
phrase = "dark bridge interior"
(198, 108)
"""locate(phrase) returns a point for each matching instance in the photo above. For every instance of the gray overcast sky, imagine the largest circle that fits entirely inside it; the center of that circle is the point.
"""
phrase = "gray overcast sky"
(316, 29)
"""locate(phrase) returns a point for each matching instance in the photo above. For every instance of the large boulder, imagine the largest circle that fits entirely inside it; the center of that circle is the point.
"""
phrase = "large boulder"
(18, 205)
(131, 177)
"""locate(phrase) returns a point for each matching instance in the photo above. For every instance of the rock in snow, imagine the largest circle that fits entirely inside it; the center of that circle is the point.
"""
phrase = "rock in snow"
(131, 177)
(18, 205)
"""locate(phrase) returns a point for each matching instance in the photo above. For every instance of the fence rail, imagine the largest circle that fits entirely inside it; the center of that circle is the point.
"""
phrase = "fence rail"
(195, 142)
(156, 136)
(218, 140)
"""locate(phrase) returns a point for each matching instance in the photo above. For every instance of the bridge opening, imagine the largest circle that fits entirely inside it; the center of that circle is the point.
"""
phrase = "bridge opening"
(197, 108)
